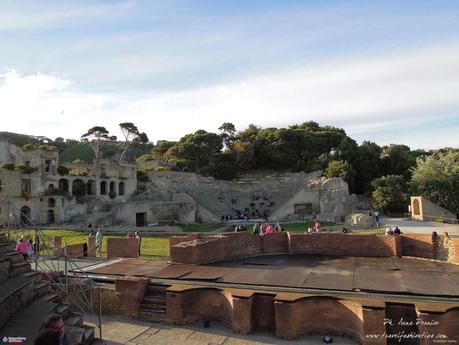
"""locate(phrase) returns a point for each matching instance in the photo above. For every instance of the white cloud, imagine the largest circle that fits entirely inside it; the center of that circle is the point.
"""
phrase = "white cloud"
(366, 96)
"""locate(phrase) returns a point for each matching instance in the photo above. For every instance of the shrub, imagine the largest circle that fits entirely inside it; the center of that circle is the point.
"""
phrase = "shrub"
(47, 147)
(8, 166)
(144, 158)
(162, 168)
(29, 147)
(25, 168)
(62, 170)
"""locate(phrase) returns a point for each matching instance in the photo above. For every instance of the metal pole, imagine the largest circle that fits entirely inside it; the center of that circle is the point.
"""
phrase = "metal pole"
(66, 274)
(36, 249)
(100, 312)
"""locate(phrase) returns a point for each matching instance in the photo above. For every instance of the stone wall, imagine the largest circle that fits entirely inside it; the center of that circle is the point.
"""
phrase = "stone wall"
(272, 197)
(425, 210)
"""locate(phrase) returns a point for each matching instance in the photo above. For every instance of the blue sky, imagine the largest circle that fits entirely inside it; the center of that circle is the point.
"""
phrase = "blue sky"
(385, 71)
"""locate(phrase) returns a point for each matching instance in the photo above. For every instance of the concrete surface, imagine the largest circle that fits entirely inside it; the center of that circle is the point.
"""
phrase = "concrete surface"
(121, 330)
(417, 227)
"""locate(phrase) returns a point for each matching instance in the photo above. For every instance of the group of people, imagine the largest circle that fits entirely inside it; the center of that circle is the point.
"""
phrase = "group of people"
(262, 229)
(396, 231)
(28, 248)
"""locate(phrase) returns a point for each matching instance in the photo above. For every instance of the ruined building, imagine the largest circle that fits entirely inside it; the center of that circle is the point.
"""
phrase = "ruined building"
(33, 189)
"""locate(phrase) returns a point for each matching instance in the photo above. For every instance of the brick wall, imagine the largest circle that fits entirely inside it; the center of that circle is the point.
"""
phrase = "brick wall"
(201, 249)
(319, 315)
(444, 248)
(343, 244)
(419, 245)
(121, 247)
(276, 242)
(75, 250)
(129, 293)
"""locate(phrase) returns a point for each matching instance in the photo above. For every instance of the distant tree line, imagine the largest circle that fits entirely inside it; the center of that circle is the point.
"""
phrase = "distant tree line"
(389, 173)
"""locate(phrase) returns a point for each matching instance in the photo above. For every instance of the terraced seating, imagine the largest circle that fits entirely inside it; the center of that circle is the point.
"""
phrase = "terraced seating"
(26, 300)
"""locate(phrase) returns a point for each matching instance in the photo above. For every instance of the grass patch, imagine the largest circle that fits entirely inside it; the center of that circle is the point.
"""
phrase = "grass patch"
(200, 227)
(152, 247)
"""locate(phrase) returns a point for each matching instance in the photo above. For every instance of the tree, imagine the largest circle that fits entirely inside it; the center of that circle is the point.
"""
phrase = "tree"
(436, 178)
(97, 137)
(398, 160)
(367, 165)
(162, 146)
(340, 169)
(196, 150)
(227, 134)
(131, 133)
(390, 193)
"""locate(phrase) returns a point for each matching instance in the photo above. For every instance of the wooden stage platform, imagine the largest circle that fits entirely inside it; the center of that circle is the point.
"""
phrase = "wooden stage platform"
(384, 275)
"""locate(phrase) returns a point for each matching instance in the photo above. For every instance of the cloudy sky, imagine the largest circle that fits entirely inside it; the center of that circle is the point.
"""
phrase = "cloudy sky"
(385, 71)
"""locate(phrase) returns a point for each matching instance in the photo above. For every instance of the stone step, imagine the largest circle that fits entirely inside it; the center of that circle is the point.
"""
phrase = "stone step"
(152, 308)
(14, 256)
(20, 267)
(155, 299)
(40, 288)
(74, 320)
(63, 310)
(157, 288)
(6, 247)
(89, 334)
(49, 297)
(36, 276)
(27, 322)
(83, 334)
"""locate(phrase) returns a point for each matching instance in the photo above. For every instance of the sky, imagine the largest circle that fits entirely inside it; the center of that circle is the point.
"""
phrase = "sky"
(385, 71)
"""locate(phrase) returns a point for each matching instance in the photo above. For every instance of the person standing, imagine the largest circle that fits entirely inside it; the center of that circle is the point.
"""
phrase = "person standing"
(139, 239)
(99, 238)
(317, 225)
(23, 248)
(257, 228)
(377, 218)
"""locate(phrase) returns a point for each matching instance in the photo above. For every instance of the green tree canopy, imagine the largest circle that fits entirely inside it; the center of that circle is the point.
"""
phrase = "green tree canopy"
(436, 178)
(390, 193)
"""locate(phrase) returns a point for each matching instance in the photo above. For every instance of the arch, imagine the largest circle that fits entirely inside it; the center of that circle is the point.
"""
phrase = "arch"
(64, 185)
(319, 315)
(90, 187)
(78, 187)
(121, 188)
(50, 217)
(51, 186)
(103, 188)
(51, 202)
(112, 187)
(416, 208)
(26, 215)
(207, 304)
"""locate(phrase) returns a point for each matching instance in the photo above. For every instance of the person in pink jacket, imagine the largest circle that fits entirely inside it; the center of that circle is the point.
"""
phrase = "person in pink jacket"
(269, 229)
(23, 248)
